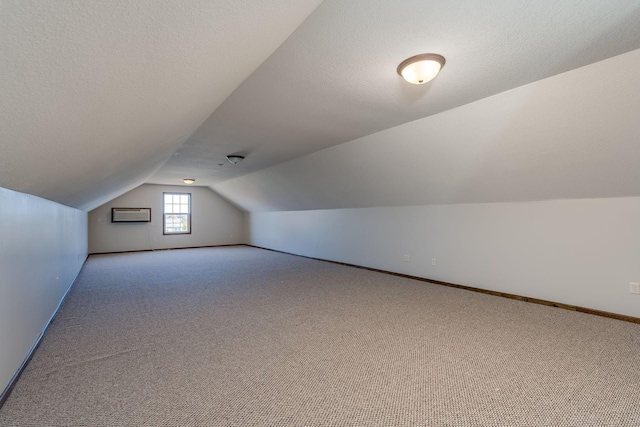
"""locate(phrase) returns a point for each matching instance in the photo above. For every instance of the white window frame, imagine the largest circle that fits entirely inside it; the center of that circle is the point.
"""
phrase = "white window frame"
(175, 210)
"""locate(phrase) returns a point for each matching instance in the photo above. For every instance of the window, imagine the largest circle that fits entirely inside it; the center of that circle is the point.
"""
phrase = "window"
(177, 213)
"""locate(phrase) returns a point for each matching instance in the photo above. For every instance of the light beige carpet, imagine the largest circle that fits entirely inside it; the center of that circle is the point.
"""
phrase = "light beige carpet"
(240, 336)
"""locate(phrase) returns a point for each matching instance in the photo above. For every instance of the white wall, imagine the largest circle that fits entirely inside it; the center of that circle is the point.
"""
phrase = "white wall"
(578, 252)
(42, 248)
(214, 221)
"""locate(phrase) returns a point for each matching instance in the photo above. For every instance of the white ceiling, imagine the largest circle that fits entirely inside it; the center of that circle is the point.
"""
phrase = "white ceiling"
(335, 80)
(574, 135)
(96, 96)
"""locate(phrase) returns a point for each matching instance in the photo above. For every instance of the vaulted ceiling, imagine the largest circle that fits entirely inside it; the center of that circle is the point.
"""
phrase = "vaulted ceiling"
(100, 97)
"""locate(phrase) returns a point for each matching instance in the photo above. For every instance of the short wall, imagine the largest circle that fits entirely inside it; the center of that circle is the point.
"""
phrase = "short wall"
(43, 246)
(577, 252)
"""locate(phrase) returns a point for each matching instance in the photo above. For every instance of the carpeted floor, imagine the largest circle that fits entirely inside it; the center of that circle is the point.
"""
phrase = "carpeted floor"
(240, 336)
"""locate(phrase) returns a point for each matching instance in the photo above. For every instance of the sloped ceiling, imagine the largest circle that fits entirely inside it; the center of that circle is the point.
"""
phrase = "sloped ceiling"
(334, 80)
(99, 97)
(96, 95)
(574, 135)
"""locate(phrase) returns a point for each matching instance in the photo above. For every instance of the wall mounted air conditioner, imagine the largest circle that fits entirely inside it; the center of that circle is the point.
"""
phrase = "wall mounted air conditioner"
(130, 214)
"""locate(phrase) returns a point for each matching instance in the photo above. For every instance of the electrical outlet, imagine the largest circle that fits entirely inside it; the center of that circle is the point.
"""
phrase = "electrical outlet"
(407, 258)
(634, 288)
(434, 261)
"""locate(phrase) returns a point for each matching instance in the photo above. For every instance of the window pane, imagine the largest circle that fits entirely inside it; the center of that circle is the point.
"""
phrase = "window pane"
(184, 208)
(183, 223)
(167, 198)
(184, 199)
(176, 224)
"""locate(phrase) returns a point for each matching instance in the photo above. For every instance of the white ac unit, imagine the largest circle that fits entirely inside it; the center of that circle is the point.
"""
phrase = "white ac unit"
(130, 214)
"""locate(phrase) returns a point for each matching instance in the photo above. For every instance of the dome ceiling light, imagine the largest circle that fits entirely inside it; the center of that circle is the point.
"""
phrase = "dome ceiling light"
(421, 69)
(235, 159)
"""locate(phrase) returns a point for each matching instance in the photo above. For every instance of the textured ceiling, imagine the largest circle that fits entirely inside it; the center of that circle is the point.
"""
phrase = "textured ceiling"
(334, 79)
(99, 97)
(574, 135)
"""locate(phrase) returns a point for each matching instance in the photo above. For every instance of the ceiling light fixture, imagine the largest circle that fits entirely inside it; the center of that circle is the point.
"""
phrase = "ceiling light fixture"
(420, 69)
(235, 159)
(189, 181)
